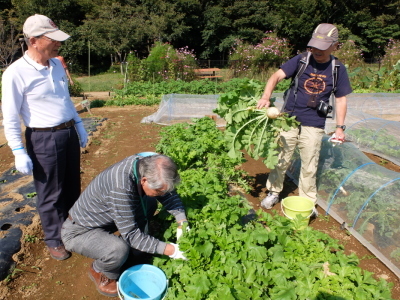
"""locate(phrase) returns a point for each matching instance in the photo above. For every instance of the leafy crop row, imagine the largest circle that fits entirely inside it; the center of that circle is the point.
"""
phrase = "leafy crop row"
(236, 253)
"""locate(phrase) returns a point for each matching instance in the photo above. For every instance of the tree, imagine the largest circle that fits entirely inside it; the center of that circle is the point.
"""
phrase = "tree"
(227, 21)
(9, 37)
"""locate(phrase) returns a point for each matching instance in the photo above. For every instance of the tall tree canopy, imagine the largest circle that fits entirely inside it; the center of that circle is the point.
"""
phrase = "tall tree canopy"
(210, 27)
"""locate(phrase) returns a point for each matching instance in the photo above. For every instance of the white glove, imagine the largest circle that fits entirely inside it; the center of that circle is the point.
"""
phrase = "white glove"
(83, 136)
(179, 231)
(23, 162)
(335, 141)
(178, 254)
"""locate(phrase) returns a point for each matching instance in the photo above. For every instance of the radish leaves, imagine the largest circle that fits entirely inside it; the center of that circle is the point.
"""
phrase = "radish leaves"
(251, 129)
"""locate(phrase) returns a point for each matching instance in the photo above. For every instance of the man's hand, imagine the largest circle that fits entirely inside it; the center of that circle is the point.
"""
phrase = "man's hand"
(335, 140)
(83, 136)
(23, 162)
(178, 254)
(263, 103)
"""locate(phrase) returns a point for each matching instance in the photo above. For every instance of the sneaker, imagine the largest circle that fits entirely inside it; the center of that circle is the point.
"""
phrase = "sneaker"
(59, 253)
(269, 201)
(314, 213)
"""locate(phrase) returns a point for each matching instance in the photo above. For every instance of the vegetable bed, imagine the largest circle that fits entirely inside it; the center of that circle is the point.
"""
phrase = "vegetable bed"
(236, 253)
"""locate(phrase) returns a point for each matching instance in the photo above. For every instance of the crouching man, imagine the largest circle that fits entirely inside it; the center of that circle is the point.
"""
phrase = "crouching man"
(123, 198)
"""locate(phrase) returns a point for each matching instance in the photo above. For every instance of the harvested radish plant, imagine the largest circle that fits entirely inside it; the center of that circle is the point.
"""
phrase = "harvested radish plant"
(251, 129)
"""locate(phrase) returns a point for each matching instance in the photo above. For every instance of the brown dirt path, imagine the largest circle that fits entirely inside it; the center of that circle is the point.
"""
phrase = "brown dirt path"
(37, 276)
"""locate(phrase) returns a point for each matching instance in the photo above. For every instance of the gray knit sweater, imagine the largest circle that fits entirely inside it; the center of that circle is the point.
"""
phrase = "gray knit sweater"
(110, 201)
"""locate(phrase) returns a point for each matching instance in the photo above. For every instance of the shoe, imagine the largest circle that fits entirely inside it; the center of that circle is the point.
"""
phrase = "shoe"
(104, 285)
(314, 213)
(269, 201)
(59, 253)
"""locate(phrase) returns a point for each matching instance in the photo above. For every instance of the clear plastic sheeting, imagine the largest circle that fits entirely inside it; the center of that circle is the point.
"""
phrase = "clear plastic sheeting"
(178, 108)
(361, 194)
(371, 133)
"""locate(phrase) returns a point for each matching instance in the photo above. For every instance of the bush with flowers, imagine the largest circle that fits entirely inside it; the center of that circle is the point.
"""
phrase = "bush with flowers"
(392, 54)
(163, 63)
(257, 61)
(350, 55)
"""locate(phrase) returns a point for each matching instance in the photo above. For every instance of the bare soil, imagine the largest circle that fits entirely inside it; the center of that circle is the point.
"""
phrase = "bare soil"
(37, 276)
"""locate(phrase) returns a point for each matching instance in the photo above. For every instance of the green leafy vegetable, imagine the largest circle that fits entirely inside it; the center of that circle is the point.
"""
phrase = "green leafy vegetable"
(254, 130)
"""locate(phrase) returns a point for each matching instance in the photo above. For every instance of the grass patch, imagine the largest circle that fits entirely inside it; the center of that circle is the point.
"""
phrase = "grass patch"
(102, 82)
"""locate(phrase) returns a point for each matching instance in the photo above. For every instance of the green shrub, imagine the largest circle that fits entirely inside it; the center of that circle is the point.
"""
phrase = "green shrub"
(75, 90)
(97, 103)
(136, 71)
(164, 63)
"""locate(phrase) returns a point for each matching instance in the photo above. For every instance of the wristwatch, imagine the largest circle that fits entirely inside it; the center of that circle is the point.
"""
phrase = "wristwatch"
(341, 126)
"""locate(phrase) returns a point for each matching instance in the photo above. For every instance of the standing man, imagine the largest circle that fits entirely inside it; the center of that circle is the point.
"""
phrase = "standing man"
(35, 87)
(313, 89)
(123, 198)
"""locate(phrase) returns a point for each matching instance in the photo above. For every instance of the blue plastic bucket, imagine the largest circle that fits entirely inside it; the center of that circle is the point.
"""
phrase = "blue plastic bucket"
(144, 154)
(142, 282)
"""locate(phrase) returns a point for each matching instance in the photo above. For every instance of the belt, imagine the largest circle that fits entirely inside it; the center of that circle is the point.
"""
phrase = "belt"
(58, 127)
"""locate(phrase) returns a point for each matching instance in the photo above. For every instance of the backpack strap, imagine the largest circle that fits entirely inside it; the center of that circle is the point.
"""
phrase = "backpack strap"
(335, 73)
(301, 67)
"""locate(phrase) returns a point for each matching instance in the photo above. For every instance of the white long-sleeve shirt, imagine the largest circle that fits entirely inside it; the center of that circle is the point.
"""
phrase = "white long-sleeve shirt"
(38, 94)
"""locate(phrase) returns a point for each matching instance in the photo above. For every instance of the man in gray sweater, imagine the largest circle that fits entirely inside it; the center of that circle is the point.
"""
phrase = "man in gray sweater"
(123, 198)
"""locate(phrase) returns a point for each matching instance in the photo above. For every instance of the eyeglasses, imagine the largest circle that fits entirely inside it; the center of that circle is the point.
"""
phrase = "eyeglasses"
(47, 38)
(160, 192)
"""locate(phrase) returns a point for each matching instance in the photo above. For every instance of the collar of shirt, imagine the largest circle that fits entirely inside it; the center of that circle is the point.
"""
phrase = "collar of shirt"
(36, 65)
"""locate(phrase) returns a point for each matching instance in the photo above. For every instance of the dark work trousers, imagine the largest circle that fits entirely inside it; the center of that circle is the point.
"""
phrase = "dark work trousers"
(56, 173)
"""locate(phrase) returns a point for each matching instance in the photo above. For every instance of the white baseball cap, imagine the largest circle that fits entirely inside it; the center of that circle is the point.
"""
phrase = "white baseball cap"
(38, 25)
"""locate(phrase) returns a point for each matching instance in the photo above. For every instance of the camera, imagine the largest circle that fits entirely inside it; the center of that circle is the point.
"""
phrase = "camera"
(324, 108)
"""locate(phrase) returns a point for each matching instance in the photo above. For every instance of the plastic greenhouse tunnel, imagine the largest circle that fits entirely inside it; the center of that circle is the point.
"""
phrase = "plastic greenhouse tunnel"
(361, 195)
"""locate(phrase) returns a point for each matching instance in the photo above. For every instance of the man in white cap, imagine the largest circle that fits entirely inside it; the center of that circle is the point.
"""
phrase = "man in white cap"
(321, 77)
(35, 87)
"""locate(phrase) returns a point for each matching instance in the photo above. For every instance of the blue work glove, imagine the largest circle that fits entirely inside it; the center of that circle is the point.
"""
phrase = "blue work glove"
(23, 162)
(83, 136)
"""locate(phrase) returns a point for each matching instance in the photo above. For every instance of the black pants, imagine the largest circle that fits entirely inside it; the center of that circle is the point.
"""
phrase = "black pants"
(56, 173)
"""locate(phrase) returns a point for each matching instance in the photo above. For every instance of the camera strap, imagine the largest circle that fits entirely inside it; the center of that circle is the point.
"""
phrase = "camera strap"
(335, 68)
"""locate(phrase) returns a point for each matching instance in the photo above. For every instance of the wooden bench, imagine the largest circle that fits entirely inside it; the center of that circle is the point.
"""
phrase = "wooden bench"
(207, 73)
